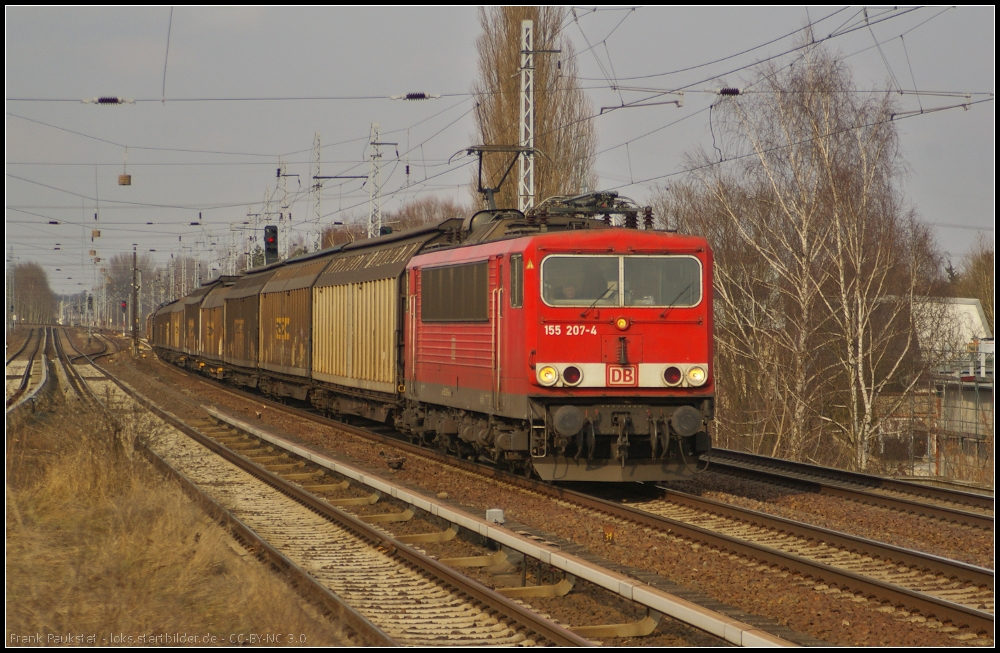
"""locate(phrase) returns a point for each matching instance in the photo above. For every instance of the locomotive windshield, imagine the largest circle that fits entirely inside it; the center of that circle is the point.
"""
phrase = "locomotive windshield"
(596, 281)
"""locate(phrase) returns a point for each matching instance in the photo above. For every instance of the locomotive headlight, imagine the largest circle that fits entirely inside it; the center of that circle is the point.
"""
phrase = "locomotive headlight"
(622, 323)
(548, 375)
(672, 376)
(696, 375)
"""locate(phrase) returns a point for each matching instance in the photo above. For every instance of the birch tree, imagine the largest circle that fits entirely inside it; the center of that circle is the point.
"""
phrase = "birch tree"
(818, 261)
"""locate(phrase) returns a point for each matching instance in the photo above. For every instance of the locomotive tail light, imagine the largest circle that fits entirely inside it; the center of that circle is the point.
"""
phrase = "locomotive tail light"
(622, 323)
(572, 375)
(672, 376)
(696, 375)
(548, 375)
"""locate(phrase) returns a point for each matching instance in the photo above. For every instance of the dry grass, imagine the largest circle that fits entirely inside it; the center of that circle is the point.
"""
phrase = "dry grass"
(99, 544)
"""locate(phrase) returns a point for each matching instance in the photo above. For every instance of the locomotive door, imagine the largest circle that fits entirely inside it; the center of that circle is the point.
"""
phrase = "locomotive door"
(497, 329)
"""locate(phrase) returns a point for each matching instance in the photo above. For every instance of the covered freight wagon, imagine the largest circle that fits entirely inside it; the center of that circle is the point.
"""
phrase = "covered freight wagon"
(190, 343)
(175, 339)
(286, 320)
(242, 322)
(162, 331)
(357, 306)
(212, 319)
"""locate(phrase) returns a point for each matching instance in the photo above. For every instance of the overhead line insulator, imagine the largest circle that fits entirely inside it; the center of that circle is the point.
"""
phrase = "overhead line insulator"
(108, 99)
(420, 95)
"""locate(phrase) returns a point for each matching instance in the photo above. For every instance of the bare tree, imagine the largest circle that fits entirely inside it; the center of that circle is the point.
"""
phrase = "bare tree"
(415, 213)
(33, 300)
(818, 262)
(424, 211)
(563, 130)
(977, 274)
(354, 227)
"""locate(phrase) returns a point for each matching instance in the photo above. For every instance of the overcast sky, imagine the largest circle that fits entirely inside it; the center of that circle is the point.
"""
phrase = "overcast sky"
(213, 145)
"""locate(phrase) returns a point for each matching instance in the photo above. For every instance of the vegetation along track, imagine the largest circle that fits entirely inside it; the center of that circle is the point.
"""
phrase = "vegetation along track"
(412, 599)
(944, 503)
(898, 578)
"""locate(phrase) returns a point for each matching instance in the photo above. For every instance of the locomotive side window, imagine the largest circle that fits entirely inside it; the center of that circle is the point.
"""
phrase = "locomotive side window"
(516, 280)
(456, 293)
(580, 280)
(659, 281)
(662, 281)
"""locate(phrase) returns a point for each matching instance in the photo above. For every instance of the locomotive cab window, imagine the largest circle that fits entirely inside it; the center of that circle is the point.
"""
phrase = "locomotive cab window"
(655, 281)
(661, 281)
(455, 293)
(580, 280)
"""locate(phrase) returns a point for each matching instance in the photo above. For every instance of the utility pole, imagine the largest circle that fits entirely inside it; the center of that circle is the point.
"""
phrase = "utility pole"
(526, 167)
(317, 191)
(254, 226)
(135, 303)
(285, 216)
(375, 184)
(282, 208)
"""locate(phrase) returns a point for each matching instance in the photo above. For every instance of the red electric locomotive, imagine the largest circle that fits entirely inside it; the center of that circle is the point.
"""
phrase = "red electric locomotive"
(568, 343)
(557, 343)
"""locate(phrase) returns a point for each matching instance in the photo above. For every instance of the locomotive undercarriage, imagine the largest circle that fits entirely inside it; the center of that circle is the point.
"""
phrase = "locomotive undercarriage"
(606, 442)
(563, 442)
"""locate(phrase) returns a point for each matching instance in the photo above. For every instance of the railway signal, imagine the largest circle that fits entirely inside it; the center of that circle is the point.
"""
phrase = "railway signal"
(270, 244)
(124, 306)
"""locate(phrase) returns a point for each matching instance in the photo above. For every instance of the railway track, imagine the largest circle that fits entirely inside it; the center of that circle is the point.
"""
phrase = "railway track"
(27, 375)
(69, 374)
(22, 347)
(949, 504)
(403, 596)
(947, 589)
(934, 587)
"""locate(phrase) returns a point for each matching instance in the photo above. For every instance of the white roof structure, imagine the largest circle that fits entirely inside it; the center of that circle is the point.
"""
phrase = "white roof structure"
(955, 322)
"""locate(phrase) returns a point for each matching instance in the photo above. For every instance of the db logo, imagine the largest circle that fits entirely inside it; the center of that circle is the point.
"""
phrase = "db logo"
(622, 375)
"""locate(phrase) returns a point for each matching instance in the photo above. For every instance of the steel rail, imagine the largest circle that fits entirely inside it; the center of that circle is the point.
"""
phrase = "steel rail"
(545, 629)
(17, 399)
(36, 336)
(364, 632)
(897, 596)
(22, 347)
(104, 340)
(81, 386)
(825, 477)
